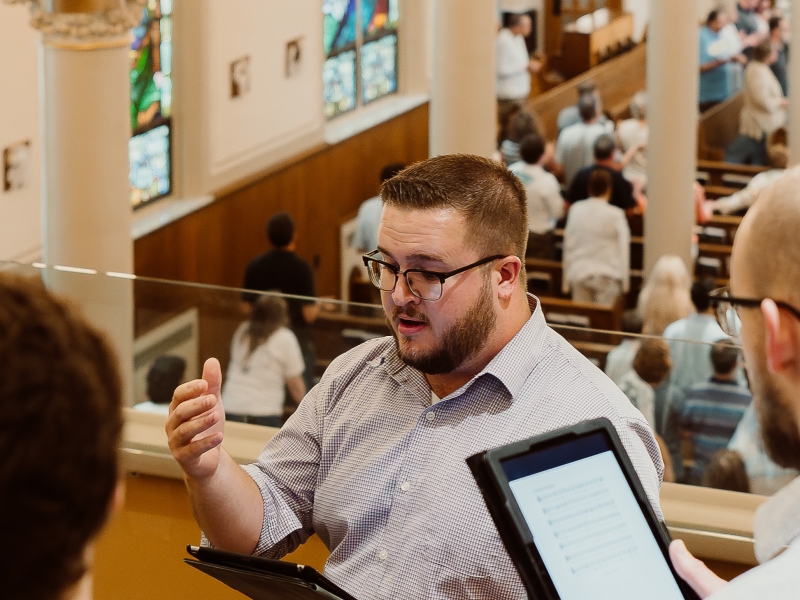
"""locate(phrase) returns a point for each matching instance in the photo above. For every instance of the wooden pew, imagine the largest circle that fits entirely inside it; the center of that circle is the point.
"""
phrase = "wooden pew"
(562, 311)
(719, 254)
(729, 223)
(617, 81)
(731, 175)
(544, 277)
(586, 44)
(719, 191)
(718, 127)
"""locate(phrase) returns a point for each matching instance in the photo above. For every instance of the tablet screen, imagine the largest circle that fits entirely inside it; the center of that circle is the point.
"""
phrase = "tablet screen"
(589, 529)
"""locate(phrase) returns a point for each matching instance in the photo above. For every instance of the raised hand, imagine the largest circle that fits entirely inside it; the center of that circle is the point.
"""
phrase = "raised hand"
(196, 423)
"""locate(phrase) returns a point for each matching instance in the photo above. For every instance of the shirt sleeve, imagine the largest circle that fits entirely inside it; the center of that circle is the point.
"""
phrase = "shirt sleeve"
(288, 353)
(248, 284)
(306, 281)
(578, 189)
(286, 474)
(625, 250)
(758, 89)
(555, 201)
(509, 60)
(569, 244)
(359, 237)
(623, 190)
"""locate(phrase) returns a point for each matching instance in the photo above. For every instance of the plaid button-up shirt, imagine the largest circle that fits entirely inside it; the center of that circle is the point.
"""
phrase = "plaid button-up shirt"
(378, 472)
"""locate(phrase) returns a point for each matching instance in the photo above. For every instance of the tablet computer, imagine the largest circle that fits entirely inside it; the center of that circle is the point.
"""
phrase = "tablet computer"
(263, 578)
(575, 518)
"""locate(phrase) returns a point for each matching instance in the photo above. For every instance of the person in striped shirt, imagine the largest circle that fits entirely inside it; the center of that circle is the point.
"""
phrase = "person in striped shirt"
(713, 409)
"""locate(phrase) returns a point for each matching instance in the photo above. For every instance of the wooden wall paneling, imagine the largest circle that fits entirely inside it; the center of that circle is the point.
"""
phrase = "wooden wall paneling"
(214, 244)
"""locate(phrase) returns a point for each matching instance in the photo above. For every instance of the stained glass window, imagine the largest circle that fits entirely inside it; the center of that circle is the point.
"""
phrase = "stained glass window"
(151, 103)
(360, 41)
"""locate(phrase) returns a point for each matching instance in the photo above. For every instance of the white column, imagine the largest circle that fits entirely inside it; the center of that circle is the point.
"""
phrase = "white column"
(463, 103)
(793, 129)
(85, 114)
(672, 81)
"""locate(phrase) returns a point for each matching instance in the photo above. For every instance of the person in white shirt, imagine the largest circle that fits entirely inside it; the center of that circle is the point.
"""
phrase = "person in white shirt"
(597, 242)
(575, 144)
(632, 137)
(545, 203)
(619, 359)
(514, 67)
(265, 357)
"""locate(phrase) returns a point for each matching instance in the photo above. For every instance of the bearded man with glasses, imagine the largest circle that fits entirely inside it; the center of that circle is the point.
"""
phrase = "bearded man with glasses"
(761, 308)
(373, 461)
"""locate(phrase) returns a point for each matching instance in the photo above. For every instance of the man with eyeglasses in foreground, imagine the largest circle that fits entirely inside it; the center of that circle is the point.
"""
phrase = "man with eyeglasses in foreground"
(762, 309)
(373, 459)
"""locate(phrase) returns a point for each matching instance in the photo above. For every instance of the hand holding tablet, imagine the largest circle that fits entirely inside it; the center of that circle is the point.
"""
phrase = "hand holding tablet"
(575, 518)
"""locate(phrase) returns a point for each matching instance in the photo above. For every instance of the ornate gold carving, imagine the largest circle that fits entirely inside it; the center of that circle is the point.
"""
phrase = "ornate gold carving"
(70, 27)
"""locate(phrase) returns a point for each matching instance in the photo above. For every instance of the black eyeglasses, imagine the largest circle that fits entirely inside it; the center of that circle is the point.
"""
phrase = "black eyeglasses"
(426, 285)
(725, 306)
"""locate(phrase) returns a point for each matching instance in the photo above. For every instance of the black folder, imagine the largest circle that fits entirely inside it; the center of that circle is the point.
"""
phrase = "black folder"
(264, 578)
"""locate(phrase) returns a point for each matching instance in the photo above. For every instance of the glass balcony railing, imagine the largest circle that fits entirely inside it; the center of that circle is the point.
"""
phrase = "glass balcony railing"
(165, 330)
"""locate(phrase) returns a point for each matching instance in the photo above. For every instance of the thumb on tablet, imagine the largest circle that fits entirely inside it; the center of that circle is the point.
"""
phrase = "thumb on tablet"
(694, 571)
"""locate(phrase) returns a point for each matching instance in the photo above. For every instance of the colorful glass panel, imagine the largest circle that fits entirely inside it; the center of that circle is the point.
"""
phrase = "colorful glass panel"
(338, 25)
(151, 101)
(150, 174)
(378, 16)
(378, 68)
(339, 83)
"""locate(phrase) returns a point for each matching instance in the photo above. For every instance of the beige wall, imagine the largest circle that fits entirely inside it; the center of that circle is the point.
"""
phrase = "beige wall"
(20, 236)
(218, 140)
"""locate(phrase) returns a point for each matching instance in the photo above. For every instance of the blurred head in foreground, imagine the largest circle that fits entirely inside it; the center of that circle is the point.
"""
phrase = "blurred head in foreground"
(60, 427)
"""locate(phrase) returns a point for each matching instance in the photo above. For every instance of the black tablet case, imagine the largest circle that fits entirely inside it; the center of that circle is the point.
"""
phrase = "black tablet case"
(265, 579)
(507, 519)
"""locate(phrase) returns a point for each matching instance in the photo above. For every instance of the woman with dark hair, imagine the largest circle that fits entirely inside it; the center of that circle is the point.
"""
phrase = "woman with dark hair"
(265, 359)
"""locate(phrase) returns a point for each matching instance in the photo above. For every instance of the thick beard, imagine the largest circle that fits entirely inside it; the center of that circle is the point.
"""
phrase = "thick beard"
(778, 426)
(462, 340)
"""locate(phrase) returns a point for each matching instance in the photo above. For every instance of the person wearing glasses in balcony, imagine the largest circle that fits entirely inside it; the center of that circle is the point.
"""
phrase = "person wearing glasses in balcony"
(373, 461)
(762, 308)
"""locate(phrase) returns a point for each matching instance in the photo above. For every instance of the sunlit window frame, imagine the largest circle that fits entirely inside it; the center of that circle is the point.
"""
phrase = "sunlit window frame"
(154, 124)
(360, 41)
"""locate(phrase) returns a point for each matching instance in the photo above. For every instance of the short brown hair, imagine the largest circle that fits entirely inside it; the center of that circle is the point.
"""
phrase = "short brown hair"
(652, 362)
(726, 471)
(724, 357)
(762, 51)
(490, 198)
(599, 183)
(60, 425)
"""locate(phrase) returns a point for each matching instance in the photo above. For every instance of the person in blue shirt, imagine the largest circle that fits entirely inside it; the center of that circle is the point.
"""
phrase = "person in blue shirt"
(715, 61)
(713, 409)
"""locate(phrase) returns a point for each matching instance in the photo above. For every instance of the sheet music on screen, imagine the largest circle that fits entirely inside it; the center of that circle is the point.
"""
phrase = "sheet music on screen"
(591, 533)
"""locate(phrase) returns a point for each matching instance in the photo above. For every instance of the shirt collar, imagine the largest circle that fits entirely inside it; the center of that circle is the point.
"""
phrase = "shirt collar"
(510, 366)
(777, 522)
